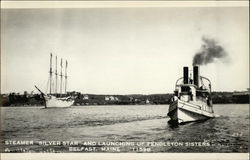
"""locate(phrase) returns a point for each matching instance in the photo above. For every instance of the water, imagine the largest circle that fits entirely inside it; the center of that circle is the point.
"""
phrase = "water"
(139, 124)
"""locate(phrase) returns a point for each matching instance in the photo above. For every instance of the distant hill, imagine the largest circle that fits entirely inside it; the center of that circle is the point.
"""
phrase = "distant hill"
(14, 99)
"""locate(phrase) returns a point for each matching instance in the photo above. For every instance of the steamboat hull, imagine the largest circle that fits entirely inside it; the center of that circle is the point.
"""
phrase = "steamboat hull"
(182, 112)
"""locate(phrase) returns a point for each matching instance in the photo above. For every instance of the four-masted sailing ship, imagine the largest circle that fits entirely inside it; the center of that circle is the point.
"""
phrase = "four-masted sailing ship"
(56, 99)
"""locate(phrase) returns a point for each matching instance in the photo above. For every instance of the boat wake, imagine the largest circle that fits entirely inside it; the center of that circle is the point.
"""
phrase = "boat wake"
(112, 122)
(75, 123)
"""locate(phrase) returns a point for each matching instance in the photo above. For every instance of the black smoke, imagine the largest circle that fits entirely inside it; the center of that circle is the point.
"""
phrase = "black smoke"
(210, 50)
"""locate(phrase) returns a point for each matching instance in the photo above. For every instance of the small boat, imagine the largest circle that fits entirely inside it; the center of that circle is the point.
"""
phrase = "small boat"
(56, 99)
(192, 98)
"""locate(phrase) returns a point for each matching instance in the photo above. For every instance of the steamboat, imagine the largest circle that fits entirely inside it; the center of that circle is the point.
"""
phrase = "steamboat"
(192, 98)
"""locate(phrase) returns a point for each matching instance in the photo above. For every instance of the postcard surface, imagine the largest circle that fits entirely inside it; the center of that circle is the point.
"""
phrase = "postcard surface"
(124, 77)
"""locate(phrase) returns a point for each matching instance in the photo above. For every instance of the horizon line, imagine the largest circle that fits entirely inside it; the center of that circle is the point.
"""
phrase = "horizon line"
(248, 90)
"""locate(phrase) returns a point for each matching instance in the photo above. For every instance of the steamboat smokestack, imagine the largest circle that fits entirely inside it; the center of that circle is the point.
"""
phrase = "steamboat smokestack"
(185, 75)
(196, 75)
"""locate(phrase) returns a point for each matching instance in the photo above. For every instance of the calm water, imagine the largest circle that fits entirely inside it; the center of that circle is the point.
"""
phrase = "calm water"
(131, 123)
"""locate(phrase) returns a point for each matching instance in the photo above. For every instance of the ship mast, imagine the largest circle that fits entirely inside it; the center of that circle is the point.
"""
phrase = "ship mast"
(50, 74)
(56, 76)
(61, 78)
(66, 65)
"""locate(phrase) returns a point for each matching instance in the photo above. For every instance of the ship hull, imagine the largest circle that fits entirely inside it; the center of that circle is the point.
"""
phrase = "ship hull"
(52, 101)
(182, 112)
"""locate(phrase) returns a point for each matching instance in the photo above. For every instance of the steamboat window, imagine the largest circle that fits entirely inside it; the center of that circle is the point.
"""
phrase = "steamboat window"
(185, 89)
(201, 94)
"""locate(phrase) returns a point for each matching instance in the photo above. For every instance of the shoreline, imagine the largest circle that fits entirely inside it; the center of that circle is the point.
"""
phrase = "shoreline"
(37, 106)
(27, 100)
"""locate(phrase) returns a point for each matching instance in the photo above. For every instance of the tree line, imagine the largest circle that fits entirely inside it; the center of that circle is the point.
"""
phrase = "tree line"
(14, 99)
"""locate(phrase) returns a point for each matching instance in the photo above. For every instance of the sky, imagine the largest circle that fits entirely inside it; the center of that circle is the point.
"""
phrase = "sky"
(122, 50)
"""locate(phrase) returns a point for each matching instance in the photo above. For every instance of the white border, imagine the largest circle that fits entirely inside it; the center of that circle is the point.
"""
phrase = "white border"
(125, 156)
(120, 4)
